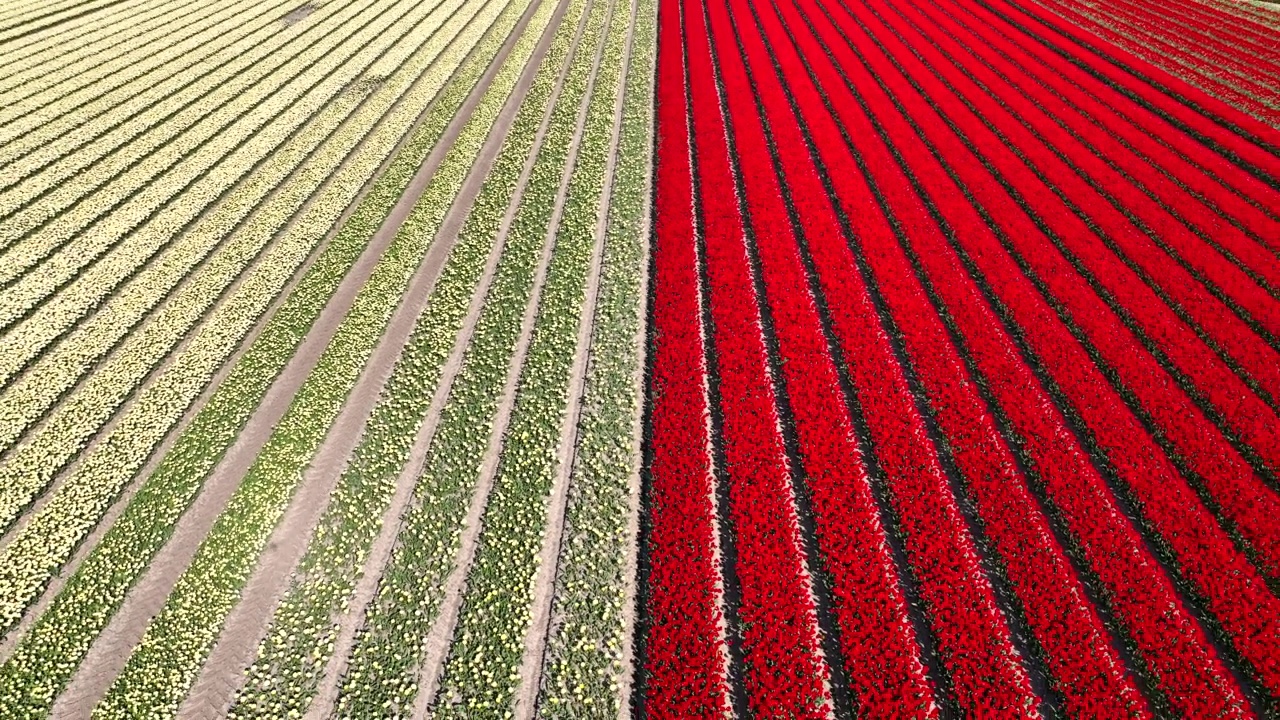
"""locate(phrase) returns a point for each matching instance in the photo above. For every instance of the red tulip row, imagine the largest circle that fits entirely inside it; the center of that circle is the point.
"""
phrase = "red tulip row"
(1256, 359)
(684, 651)
(1232, 588)
(1213, 121)
(877, 641)
(783, 668)
(1212, 61)
(1142, 598)
(938, 302)
(1244, 498)
(1093, 683)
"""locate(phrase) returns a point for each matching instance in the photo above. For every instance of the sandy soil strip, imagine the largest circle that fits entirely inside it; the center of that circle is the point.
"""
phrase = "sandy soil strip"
(11, 639)
(535, 641)
(441, 636)
(223, 672)
(110, 652)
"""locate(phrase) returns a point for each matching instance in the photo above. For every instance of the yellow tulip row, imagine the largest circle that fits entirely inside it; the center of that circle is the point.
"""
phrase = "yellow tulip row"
(300, 641)
(385, 660)
(178, 639)
(48, 654)
(583, 674)
(483, 672)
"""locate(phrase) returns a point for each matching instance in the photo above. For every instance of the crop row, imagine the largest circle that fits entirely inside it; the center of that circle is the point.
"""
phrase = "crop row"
(32, 17)
(106, 126)
(47, 541)
(180, 636)
(1235, 70)
(1247, 608)
(285, 675)
(49, 77)
(152, 281)
(386, 660)
(483, 671)
(58, 438)
(977, 182)
(583, 674)
(1053, 339)
(683, 664)
(98, 215)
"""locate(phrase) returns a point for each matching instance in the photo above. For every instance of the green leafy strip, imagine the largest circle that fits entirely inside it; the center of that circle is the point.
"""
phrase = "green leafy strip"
(483, 670)
(382, 678)
(294, 655)
(47, 656)
(583, 669)
(166, 661)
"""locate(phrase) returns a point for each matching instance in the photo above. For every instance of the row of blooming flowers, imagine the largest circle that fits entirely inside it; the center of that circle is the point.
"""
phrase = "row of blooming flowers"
(48, 654)
(1053, 335)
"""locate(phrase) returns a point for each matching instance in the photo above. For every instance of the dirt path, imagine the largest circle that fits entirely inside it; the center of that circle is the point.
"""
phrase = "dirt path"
(441, 635)
(223, 673)
(535, 641)
(110, 652)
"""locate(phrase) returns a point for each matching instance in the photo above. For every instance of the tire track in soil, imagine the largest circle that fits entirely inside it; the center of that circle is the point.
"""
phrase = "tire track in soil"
(109, 653)
(223, 672)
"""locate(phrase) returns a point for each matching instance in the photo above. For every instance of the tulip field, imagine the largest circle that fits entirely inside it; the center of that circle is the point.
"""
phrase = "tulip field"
(639, 359)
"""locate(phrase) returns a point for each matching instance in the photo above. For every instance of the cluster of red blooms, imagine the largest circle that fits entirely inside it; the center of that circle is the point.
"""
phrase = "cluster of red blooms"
(964, 370)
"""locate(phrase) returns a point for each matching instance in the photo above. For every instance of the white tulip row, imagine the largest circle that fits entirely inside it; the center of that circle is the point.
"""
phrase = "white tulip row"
(33, 15)
(30, 397)
(300, 641)
(45, 76)
(58, 438)
(43, 154)
(95, 41)
(582, 675)
(53, 532)
(382, 670)
(167, 659)
(93, 212)
(32, 335)
(48, 654)
(482, 673)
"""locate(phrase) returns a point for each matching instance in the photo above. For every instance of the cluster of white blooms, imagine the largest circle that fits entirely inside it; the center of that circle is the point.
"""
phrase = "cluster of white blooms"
(49, 114)
(482, 673)
(299, 644)
(178, 639)
(382, 675)
(583, 667)
(64, 431)
(19, 18)
(116, 221)
(53, 532)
